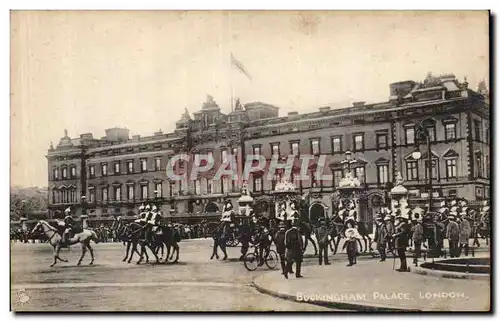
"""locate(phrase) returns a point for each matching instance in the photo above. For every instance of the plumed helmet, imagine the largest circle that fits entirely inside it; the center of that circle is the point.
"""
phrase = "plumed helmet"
(141, 208)
(442, 204)
(154, 208)
(387, 218)
(148, 207)
(453, 203)
(68, 210)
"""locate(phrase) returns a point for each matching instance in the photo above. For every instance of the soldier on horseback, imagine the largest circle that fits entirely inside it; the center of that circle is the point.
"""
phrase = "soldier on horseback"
(68, 227)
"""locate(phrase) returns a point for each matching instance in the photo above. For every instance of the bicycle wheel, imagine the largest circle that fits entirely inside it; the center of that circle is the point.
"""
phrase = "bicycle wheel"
(251, 262)
(272, 259)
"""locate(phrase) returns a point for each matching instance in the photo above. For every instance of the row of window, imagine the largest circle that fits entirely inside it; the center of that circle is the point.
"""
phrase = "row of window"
(450, 133)
(413, 175)
(336, 141)
(314, 181)
(66, 173)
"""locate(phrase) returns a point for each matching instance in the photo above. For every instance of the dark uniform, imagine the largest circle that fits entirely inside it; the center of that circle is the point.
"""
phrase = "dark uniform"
(417, 231)
(322, 233)
(381, 237)
(401, 237)
(293, 244)
(279, 240)
(453, 235)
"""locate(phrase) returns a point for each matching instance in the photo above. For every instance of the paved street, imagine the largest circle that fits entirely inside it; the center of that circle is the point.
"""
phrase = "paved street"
(195, 284)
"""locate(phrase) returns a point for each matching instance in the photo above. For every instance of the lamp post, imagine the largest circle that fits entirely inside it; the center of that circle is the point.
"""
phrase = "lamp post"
(84, 213)
(422, 135)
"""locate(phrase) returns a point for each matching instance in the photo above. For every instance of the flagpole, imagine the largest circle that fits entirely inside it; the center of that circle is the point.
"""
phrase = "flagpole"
(231, 80)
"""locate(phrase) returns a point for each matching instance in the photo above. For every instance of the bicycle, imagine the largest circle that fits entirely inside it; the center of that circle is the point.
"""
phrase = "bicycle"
(251, 259)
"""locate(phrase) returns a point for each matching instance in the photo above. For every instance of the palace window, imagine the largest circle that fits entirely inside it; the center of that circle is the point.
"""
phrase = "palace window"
(411, 170)
(477, 130)
(197, 187)
(257, 184)
(64, 172)
(360, 174)
(359, 142)
(410, 135)
(451, 168)
(117, 167)
(314, 180)
(210, 184)
(382, 141)
(171, 188)
(479, 165)
(104, 169)
(235, 155)
(144, 165)
(105, 194)
(294, 147)
(130, 192)
(382, 174)
(157, 163)
(55, 173)
(91, 171)
(337, 176)
(54, 196)
(315, 146)
(225, 185)
(275, 149)
(144, 191)
(337, 144)
(256, 149)
(130, 166)
(117, 193)
(91, 194)
(450, 131)
(159, 189)
(72, 195)
(72, 171)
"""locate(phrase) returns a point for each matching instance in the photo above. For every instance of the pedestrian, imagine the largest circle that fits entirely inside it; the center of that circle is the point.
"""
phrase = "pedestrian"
(293, 244)
(322, 233)
(351, 245)
(381, 236)
(475, 228)
(401, 236)
(453, 234)
(464, 234)
(417, 231)
(279, 241)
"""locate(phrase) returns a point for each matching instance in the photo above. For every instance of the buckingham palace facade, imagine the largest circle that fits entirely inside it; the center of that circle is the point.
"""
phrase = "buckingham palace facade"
(116, 173)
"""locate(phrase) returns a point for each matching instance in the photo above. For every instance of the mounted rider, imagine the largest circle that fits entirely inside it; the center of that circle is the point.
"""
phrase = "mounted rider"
(69, 224)
(152, 222)
(228, 217)
(141, 219)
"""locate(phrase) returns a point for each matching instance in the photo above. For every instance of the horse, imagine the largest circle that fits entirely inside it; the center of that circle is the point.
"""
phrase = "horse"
(306, 229)
(126, 235)
(55, 239)
(137, 235)
(169, 237)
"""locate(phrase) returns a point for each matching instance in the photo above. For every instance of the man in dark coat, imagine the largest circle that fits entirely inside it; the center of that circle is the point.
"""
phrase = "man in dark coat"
(293, 245)
(279, 240)
(417, 231)
(453, 234)
(322, 233)
(401, 236)
(381, 236)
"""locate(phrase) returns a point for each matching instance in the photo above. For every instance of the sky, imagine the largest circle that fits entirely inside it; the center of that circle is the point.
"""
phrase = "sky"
(86, 71)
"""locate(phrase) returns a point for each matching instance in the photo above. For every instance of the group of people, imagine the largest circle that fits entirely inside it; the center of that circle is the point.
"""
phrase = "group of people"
(396, 230)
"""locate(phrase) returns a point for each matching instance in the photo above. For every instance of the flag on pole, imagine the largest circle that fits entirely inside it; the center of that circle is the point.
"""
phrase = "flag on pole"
(240, 66)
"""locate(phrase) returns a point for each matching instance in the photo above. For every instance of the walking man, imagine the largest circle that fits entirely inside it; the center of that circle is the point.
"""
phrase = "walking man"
(464, 234)
(417, 231)
(293, 244)
(453, 234)
(322, 233)
(381, 236)
(279, 240)
(401, 240)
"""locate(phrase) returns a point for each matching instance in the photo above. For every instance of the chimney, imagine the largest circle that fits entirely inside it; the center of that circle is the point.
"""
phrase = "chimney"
(293, 113)
(358, 103)
(324, 109)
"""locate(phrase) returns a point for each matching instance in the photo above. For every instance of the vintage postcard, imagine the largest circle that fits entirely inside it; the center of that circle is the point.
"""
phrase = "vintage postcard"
(250, 161)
